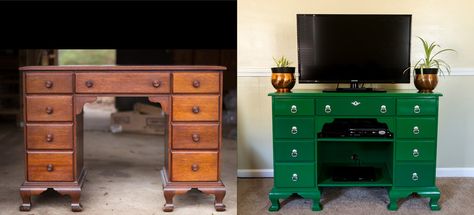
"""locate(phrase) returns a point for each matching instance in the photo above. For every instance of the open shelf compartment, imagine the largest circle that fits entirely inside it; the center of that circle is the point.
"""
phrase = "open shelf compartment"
(353, 152)
(382, 177)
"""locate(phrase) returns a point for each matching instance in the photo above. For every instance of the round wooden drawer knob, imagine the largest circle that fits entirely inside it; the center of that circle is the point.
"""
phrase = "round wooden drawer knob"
(50, 167)
(49, 138)
(196, 138)
(48, 84)
(195, 167)
(49, 110)
(196, 109)
(196, 84)
(156, 83)
(89, 83)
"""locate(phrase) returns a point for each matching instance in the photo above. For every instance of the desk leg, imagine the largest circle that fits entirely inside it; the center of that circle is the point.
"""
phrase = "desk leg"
(26, 197)
(219, 194)
(169, 194)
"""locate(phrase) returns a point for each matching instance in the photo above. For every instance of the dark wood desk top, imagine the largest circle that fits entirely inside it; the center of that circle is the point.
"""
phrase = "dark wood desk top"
(122, 68)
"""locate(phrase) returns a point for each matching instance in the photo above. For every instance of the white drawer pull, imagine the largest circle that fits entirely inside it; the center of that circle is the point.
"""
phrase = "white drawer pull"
(416, 153)
(414, 177)
(416, 109)
(294, 153)
(294, 130)
(327, 109)
(294, 177)
(293, 109)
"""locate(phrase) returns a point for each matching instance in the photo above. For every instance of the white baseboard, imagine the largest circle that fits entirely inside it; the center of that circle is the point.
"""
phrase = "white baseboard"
(440, 172)
(455, 172)
(255, 173)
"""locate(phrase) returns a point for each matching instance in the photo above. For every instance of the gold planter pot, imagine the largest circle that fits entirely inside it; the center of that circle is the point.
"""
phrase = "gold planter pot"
(283, 79)
(426, 82)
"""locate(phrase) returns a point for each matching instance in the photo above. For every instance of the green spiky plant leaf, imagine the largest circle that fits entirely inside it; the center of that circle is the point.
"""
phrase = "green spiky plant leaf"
(282, 62)
(429, 60)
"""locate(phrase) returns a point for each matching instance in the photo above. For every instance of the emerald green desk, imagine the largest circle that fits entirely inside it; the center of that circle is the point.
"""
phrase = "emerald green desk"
(405, 164)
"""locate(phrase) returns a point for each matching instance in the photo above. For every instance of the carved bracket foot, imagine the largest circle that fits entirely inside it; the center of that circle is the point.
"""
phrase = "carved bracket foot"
(26, 198)
(169, 194)
(218, 205)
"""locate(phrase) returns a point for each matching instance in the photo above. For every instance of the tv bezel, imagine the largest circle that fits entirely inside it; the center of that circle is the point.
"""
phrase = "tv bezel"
(403, 81)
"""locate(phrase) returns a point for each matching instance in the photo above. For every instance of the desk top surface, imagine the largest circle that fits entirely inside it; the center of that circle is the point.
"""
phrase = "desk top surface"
(320, 93)
(124, 68)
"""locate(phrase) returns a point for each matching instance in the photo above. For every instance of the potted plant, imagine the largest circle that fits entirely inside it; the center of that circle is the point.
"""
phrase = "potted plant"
(283, 78)
(427, 68)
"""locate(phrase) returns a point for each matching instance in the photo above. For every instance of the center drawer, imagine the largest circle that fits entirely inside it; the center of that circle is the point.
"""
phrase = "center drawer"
(372, 106)
(294, 175)
(49, 108)
(124, 82)
(196, 108)
(51, 166)
(195, 136)
(194, 166)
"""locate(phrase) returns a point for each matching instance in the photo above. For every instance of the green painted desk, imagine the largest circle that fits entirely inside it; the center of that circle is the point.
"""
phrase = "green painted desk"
(405, 164)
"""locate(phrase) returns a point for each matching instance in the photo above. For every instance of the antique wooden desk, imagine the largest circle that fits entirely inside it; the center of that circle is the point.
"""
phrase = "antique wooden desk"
(304, 161)
(54, 97)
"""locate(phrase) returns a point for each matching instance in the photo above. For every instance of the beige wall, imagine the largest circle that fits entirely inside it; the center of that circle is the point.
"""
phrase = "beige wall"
(268, 28)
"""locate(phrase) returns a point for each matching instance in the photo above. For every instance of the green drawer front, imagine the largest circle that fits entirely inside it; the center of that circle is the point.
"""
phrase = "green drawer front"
(293, 151)
(296, 107)
(294, 127)
(356, 106)
(416, 150)
(294, 175)
(416, 127)
(414, 107)
(414, 175)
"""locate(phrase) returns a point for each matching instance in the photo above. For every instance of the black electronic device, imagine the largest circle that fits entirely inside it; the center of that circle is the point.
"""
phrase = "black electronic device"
(342, 127)
(353, 48)
(353, 173)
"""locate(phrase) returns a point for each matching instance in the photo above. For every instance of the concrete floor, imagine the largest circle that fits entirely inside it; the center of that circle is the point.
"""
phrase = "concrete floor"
(123, 177)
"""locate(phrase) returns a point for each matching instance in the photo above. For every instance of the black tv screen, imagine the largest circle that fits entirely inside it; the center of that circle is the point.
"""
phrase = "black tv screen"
(353, 48)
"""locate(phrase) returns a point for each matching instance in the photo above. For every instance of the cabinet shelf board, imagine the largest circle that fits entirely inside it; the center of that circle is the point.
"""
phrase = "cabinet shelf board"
(354, 139)
(382, 176)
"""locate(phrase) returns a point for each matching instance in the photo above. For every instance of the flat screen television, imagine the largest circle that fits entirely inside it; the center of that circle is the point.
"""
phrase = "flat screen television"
(353, 48)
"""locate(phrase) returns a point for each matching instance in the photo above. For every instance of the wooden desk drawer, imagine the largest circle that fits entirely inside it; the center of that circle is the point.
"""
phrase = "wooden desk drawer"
(196, 108)
(356, 106)
(51, 166)
(49, 136)
(294, 175)
(293, 150)
(414, 174)
(416, 127)
(414, 107)
(193, 82)
(49, 108)
(416, 150)
(49, 82)
(294, 127)
(194, 166)
(195, 136)
(133, 82)
(293, 107)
